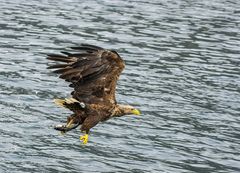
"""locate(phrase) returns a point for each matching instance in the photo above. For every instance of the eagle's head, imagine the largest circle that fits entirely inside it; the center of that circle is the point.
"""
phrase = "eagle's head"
(125, 110)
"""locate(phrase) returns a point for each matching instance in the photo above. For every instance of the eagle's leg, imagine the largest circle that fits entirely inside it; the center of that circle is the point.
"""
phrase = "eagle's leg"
(88, 123)
(84, 138)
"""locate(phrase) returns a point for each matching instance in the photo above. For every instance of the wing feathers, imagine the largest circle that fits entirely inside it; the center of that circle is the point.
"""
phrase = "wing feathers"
(92, 72)
(60, 58)
(61, 70)
(70, 74)
(57, 66)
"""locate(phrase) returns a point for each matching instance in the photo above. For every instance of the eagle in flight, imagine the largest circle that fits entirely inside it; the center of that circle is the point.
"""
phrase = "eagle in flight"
(93, 73)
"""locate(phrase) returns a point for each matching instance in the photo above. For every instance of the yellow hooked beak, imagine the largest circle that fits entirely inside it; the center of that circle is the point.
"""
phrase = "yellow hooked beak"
(136, 112)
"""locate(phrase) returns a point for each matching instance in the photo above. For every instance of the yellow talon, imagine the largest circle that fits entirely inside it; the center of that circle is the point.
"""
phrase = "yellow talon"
(84, 138)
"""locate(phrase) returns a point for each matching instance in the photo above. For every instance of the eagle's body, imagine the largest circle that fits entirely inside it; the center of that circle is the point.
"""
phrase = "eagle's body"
(93, 73)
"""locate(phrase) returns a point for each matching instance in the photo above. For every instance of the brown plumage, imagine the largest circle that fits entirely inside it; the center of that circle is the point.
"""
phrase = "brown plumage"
(93, 73)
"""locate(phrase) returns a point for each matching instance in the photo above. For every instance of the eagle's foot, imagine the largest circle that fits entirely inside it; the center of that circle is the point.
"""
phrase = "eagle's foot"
(84, 138)
(65, 128)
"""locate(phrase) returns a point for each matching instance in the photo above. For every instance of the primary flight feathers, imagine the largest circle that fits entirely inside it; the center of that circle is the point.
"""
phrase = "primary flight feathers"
(92, 64)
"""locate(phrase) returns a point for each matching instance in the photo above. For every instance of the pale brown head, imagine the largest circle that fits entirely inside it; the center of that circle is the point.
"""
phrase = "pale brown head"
(121, 110)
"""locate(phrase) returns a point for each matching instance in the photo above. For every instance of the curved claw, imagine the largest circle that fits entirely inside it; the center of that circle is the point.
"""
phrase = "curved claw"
(66, 128)
(84, 138)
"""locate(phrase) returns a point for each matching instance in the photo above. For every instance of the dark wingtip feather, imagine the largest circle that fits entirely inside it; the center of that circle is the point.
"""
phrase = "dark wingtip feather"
(66, 53)
(57, 66)
(72, 85)
(55, 57)
(62, 70)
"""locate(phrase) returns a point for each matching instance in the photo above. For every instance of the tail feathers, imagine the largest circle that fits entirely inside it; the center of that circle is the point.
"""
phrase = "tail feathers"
(71, 100)
(68, 102)
(59, 102)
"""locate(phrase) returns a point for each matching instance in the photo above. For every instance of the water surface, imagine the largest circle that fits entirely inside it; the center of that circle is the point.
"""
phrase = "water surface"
(182, 72)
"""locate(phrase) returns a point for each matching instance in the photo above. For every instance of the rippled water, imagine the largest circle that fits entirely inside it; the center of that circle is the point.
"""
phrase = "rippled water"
(183, 73)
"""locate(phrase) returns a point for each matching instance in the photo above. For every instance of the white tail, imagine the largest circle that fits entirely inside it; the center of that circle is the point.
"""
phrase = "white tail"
(59, 102)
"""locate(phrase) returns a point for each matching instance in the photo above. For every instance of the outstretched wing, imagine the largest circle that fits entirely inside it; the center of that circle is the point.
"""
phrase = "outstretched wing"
(92, 71)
